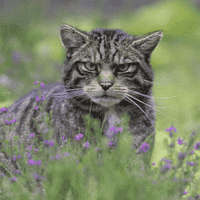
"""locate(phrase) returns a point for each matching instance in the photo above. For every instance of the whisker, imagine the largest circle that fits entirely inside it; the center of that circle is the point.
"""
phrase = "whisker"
(150, 106)
(130, 100)
(148, 96)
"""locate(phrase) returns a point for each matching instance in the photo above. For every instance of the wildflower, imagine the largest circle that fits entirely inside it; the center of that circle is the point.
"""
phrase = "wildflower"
(113, 129)
(169, 129)
(31, 162)
(38, 162)
(42, 85)
(31, 136)
(3, 109)
(19, 156)
(66, 154)
(36, 107)
(52, 158)
(166, 160)
(36, 82)
(14, 158)
(37, 98)
(165, 168)
(172, 145)
(197, 146)
(58, 156)
(120, 129)
(2, 175)
(48, 143)
(96, 149)
(86, 145)
(192, 152)
(42, 98)
(175, 179)
(36, 176)
(30, 147)
(185, 192)
(18, 172)
(182, 156)
(190, 163)
(7, 116)
(175, 130)
(144, 148)
(154, 163)
(193, 133)
(79, 136)
(180, 141)
(13, 179)
(36, 150)
(46, 130)
(110, 143)
(12, 121)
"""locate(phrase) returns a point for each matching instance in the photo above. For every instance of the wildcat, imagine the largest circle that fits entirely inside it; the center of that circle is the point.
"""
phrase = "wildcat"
(106, 73)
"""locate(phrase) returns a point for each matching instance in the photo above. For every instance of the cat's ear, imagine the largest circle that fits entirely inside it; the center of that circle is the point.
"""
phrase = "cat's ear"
(146, 44)
(72, 37)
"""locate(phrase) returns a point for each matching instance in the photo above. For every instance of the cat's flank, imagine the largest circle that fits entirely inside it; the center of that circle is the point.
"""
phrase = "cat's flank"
(106, 74)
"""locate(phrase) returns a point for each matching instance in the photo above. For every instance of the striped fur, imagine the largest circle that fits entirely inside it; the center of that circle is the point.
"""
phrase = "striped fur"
(100, 62)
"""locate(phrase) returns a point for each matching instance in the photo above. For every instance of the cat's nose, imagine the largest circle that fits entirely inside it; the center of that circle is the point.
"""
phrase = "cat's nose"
(106, 85)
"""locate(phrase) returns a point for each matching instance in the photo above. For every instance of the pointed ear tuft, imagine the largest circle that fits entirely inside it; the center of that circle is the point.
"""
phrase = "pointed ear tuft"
(72, 37)
(146, 44)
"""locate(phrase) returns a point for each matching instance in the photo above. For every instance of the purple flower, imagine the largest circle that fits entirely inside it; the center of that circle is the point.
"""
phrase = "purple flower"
(120, 129)
(11, 122)
(31, 135)
(31, 162)
(185, 192)
(58, 156)
(3, 110)
(36, 82)
(14, 158)
(46, 130)
(37, 98)
(36, 150)
(110, 143)
(66, 154)
(2, 175)
(7, 116)
(77, 137)
(19, 156)
(29, 155)
(48, 143)
(38, 162)
(193, 133)
(30, 147)
(42, 85)
(181, 156)
(154, 163)
(169, 129)
(165, 168)
(13, 179)
(180, 141)
(197, 146)
(192, 152)
(144, 147)
(175, 130)
(86, 144)
(42, 98)
(36, 107)
(166, 160)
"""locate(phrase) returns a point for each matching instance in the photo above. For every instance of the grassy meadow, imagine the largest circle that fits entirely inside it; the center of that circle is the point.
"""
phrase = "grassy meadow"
(31, 50)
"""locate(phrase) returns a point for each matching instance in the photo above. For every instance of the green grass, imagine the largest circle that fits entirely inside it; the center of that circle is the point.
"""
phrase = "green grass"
(31, 50)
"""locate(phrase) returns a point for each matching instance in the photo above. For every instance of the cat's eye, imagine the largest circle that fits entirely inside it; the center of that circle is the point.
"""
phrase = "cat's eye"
(127, 67)
(123, 68)
(90, 66)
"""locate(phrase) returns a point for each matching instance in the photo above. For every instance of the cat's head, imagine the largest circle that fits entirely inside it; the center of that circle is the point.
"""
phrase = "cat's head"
(107, 65)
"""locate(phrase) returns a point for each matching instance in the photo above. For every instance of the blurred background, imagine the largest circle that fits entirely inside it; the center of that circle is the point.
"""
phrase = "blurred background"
(31, 50)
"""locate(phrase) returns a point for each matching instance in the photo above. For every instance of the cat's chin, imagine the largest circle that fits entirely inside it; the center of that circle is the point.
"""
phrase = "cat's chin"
(106, 101)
